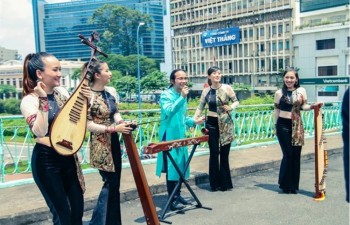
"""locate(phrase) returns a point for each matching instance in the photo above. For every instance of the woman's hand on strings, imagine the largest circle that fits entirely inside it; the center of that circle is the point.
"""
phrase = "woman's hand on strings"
(227, 108)
(124, 127)
(86, 91)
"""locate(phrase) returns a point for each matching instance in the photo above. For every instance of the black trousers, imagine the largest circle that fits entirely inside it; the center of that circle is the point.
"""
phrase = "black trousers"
(107, 210)
(57, 179)
(219, 165)
(289, 175)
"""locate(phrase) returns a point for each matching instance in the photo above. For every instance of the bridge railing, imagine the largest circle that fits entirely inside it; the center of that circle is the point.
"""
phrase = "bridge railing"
(16, 141)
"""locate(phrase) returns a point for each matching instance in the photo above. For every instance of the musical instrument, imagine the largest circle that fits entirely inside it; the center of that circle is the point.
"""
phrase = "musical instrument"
(153, 148)
(68, 128)
(141, 181)
(165, 147)
(321, 157)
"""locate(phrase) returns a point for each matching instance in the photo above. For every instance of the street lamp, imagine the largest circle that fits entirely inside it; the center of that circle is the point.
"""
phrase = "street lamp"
(138, 79)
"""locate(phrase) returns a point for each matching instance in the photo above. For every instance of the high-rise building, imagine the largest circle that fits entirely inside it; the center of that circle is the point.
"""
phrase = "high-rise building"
(11, 73)
(249, 40)
(321, 48)
(57, 26)
(254, 41)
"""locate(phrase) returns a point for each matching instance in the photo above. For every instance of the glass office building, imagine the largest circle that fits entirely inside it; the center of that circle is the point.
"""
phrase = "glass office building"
(58, 26)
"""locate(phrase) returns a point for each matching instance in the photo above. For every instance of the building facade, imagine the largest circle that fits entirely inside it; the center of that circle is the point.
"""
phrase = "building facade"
(11, 73)
(254, 41)
(57, 26)
(321, 48)
(261, 49)
(8, 54)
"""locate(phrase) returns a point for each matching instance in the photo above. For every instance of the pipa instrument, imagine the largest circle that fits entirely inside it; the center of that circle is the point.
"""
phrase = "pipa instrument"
(68, 129)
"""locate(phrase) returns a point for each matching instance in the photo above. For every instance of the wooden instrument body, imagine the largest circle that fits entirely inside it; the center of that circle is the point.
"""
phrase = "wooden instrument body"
(320, 156)
(167, 145)
(68, 129)
(141, 181)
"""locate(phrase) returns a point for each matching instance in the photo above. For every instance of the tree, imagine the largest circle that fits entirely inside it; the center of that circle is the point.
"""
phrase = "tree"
(76, 74)
(12, 106)
(147, 65)
(154, 81)
(124, 84)
(127, 65)
(7, 89)
(120, 63)
(120, 26)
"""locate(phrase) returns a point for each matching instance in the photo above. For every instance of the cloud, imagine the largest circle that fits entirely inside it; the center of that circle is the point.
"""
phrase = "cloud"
(16, 26)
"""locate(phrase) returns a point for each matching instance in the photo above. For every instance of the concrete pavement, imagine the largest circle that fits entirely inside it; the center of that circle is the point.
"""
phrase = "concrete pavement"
(23, 204)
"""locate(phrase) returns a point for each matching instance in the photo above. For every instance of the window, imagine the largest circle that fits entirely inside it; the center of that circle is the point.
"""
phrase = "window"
(287, 45)
(325, 44)
(327, 71)
(262, 31)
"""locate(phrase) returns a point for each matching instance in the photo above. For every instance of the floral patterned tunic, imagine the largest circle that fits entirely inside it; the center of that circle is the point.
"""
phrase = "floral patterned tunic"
(299, 99)
(224, 95)
(32, 109)
(100, 113)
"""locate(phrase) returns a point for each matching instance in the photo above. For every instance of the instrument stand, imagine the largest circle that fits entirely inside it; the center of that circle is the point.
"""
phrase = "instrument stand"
(178, 185)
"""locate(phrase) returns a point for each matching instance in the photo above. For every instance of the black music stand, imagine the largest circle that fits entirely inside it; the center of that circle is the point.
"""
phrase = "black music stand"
(178, 185)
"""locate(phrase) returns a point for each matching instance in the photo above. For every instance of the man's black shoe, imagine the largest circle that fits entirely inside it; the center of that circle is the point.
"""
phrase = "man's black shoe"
(174, 206)
(182, 200)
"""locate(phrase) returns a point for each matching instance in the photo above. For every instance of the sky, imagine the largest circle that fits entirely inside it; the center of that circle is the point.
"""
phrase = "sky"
(16, 25)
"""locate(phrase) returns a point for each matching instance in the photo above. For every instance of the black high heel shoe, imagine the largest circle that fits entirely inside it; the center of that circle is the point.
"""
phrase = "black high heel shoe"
(286, 191)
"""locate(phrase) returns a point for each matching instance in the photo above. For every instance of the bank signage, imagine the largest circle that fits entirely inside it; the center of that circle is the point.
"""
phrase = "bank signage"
(330, 81)
(220, 37)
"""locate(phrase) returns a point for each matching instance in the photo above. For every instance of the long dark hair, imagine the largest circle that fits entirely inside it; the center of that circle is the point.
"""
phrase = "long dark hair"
(95, 67)
(32, 63)
(173, 76)
(296, 85)
(211, 70)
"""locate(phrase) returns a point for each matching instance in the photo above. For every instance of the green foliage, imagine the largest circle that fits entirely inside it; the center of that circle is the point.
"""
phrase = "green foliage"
(2, 106)
(6, 89)
(124, 84)
(77, 74)
(241, 87)
(12, 106)
(120, 63)
(154, 81)
(127, 65)
(257, 100)
(120, 27)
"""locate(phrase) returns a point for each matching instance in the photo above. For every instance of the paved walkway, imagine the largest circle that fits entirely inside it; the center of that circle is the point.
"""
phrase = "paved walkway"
(23, 204)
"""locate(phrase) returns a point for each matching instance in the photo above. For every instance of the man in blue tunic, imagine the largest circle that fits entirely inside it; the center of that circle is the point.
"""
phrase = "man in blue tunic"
(173, 103)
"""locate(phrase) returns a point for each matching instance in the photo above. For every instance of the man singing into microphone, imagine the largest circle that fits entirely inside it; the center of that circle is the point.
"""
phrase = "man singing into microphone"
(173, 104)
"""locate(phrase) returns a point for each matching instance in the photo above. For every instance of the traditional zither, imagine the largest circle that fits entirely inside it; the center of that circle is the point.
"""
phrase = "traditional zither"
(68, 128)
(166, 147)
(321, 158)
(141, 181)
